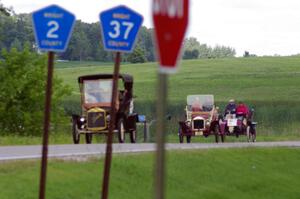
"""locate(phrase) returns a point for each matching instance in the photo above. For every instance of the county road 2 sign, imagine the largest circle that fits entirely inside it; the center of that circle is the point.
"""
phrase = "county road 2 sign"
(120, 26)
(53, 26)
(170, 24)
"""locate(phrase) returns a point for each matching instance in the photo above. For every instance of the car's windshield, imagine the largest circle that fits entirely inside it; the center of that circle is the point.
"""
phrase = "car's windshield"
(97, 91)
(200, 102)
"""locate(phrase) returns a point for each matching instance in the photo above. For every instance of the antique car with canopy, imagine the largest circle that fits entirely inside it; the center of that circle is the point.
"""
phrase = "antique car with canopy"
(236, 123)
(201, 119)
(96, 94)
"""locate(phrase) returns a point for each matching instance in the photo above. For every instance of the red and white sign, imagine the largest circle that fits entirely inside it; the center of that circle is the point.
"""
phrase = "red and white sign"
(170, 19)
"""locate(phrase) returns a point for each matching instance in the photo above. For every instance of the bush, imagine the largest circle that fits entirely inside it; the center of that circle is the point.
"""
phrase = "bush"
(137, 56)
(22, 93)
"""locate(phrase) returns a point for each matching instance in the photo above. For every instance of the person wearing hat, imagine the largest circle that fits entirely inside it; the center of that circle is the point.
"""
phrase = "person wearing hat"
(230, 108)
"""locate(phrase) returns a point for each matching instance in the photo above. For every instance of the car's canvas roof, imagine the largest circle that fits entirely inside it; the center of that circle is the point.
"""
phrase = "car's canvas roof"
(126, 78)
(203, 98)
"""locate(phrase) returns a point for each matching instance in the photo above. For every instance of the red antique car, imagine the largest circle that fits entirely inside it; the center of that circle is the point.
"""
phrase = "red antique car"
(201, 119)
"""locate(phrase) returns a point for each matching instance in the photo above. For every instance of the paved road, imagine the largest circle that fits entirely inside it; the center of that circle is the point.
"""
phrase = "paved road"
(84, 150)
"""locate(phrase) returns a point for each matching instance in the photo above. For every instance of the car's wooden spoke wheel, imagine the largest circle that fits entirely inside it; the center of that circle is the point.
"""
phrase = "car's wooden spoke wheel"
(121, 131)
(216, 132)
(133, 135)
(88, 138)
(75, 134)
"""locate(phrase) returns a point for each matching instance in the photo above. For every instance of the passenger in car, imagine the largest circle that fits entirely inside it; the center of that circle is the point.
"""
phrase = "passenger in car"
(242, 109)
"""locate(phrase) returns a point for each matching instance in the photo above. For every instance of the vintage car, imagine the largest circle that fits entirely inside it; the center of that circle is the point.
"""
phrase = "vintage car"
(201, 119)
(96, 94)
(236, 124)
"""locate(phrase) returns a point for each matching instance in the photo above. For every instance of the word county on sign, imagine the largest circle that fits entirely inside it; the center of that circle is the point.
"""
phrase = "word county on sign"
(170, 21)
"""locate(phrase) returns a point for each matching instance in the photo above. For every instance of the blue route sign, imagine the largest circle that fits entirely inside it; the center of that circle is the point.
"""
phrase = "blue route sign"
(53, 26)
(120, 26)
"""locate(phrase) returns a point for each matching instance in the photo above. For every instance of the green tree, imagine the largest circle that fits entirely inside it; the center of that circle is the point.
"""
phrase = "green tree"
(145, 42)
(204, 51)
(191, 43)
(5, 11)
(16, 44)
(137, 56)
(191, 48)
(191, 54)
(222, 52)
(22, 91)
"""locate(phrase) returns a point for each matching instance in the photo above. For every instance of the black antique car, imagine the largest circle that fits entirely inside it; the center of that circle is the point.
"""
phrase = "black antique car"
(96, 94)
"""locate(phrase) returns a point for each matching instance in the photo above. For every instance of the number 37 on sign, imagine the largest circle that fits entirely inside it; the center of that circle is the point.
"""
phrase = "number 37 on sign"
(120, 26)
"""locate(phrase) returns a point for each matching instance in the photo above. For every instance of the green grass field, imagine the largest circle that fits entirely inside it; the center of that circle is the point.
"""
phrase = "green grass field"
(220, 173)
(268, 84)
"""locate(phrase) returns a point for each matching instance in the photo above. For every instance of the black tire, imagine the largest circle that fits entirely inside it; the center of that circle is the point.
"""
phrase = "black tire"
(88, 138)
(223, 138)
(121, 131)
(180, 135)
(248, 133)
(188, 139)
(180, 138)
(133, 135)
(216, 132)
(237, 133)
(75, 134)
(253, 135)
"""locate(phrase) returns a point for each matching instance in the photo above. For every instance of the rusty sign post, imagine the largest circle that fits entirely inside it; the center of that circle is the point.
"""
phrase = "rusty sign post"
(119, 26)
(170, 23)
(52, 28)
(108, 156)
(43, 173)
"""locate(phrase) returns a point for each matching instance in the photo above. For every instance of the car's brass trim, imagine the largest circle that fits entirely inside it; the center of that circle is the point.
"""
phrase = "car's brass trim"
(96, 110)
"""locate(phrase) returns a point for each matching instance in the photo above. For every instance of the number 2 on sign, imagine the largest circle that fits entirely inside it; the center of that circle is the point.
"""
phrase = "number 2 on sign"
(54, 26)
(117, 26)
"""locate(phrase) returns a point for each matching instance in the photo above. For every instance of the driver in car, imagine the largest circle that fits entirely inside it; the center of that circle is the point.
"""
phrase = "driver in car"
(196, 106)
(230, 108)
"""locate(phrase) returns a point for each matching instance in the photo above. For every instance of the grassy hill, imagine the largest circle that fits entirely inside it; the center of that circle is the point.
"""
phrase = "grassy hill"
(268, 84)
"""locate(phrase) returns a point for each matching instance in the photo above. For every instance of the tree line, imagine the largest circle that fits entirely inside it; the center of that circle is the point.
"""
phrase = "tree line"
(86, 42)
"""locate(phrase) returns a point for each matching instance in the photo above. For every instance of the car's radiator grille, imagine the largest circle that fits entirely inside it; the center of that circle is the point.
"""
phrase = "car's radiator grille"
(198, 124)
(96, 120)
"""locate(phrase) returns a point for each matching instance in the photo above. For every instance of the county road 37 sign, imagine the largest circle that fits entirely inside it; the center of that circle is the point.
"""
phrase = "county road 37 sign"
(53, 26)
(120, 26)
(170, 23)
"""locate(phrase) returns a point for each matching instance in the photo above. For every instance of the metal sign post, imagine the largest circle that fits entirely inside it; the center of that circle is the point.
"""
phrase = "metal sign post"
(53, 26)
(170, 22)
(44, 161)
(107, 163)
(160, 135)
(119, 26)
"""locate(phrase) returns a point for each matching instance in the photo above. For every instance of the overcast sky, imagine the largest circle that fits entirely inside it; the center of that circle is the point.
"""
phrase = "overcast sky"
(262, 27)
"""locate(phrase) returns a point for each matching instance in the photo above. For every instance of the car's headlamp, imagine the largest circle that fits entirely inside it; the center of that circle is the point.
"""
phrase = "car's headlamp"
(82, 119)
(108, 118)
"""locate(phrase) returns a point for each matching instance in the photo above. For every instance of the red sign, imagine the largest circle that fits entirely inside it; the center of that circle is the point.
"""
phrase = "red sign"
(170, 23)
